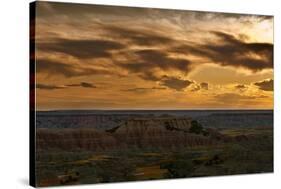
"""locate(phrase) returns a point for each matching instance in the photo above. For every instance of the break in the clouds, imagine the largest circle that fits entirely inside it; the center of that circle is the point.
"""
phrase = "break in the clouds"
(266, 85)
(226, 97)
(152, 58)
(234, 98)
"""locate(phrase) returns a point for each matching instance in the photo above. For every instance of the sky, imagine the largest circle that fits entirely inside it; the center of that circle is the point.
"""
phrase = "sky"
(110, 57)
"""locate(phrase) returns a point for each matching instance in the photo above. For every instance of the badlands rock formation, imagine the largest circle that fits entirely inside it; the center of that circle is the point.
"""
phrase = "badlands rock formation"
(143, 133)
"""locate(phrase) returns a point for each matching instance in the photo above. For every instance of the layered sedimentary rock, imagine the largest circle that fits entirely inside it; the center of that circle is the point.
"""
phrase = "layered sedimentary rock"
(74, 139)
(159, 133)
(134, 133)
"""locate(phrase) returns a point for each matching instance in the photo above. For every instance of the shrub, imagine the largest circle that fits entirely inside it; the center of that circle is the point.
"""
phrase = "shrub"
(195, 127)
(178, 169)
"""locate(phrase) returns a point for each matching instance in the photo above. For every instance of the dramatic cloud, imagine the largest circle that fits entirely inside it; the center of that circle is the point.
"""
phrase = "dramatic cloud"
(51, 67)
(228, 50)
(150, 60)
(139, 37)
(48, 87)
(82, 48)
(204, 85)
(266, 85)
(163, 61)
(175, 83)
(53, 87)
(231, 51)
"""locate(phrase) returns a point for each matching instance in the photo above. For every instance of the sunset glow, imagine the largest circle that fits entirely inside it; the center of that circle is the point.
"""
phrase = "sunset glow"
(103, 57)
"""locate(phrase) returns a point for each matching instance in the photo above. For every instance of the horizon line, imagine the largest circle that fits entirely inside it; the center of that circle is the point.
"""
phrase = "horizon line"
(195, 109)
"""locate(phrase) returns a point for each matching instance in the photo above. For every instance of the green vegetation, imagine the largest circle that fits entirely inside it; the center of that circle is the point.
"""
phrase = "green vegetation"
(196, 127)
(178, 168)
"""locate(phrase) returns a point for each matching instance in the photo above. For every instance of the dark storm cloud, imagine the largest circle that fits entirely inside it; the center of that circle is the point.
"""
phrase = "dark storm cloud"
(51, 67)
(82, 48)
(48, 87)
(163, 61)
(231, 51)
(204, 85)
(175, 83)
(266, 85)
(150, 60)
